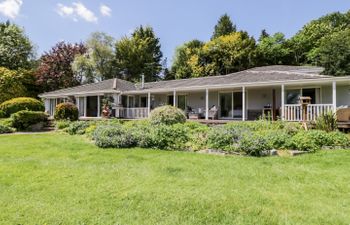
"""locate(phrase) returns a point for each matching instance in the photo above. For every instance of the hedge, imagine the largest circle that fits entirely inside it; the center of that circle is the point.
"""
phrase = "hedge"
(22, 120)
(18, 104)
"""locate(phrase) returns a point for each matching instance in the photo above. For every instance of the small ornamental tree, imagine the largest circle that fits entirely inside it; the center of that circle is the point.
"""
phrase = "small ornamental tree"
(55, 67)
(167, 115)
(66, 111)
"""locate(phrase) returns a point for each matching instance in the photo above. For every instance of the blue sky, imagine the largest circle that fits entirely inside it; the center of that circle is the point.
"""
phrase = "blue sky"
(48, 21)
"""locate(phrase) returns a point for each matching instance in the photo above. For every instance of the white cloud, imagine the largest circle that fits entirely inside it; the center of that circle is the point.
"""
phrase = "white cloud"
(105, 10)
(64, 10)
(10, 8)
(76, 11)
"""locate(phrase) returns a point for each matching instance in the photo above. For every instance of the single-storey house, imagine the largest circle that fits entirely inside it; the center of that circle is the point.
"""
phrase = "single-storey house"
(277, 91)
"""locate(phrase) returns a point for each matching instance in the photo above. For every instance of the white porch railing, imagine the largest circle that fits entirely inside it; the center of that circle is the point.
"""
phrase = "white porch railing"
(294, 112)
(131, 113)
(316, 110)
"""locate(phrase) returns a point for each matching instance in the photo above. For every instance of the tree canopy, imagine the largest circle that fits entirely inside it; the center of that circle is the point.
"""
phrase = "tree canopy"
(55, 67)
(223, 27)
(16, 50)
(139, 54)
(333, 53)
(16, 83)
(98, 63)
(273, 50)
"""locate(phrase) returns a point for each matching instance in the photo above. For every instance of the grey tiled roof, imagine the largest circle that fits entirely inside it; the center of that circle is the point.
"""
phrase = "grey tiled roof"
(259, 74)
(109, 85)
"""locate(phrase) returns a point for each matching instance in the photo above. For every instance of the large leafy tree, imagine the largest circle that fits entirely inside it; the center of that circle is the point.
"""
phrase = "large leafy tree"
(16, 50)
(229, 53)
(334, 53)
(223, 27)
(139, 54)
(16, 83)
(184, 56)
(305, 43)
(273, 50)
(55, 67)
(98, 63)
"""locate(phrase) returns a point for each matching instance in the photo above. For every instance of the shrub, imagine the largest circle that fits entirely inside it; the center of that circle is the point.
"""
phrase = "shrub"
(2, 114)
(62, 124)
(167, 115)
(24, 119)
(276, 139)
(338, 139)
(253, 144)
(5, 129)
(320, 137)
(6, 122)
(113, 137)
(142, 131)
(173, 137)
(66, 111)
(226, 137)
(77, 127)
(327, 122)
(18, 104)
(302, 141)
(197, 134)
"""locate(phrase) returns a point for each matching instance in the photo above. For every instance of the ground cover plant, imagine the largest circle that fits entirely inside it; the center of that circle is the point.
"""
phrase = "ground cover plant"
(58, 178)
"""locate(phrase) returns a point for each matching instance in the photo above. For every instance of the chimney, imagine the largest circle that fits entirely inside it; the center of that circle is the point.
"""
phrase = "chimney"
(142, 81)
(115, 84)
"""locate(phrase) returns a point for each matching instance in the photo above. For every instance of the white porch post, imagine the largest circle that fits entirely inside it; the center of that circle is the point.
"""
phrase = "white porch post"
(174, 98)
(243, 104)
(334, 86)
(149, 103)
(207, 104)
(98, 106)
(282, 101)
(78, 104)
(85, 105)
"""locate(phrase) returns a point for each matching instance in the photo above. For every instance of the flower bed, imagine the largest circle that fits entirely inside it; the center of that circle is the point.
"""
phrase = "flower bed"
(248, 138)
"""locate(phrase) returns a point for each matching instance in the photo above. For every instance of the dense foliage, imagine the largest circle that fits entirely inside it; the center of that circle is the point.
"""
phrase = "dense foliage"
(66, 111)
(167, 115)
(55, 68)
(17, 104)
(333, 53)
(16, 83)
(16, 50)
(98, 63)
(139, 54)
(5, 129)
(224, 27)
(24, 119)
(248, 138)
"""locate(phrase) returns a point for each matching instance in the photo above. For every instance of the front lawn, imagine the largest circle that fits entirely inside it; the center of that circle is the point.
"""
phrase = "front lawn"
(62, 179)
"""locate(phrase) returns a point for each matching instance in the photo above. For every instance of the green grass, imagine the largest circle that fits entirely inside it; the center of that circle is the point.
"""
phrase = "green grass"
(61, 179)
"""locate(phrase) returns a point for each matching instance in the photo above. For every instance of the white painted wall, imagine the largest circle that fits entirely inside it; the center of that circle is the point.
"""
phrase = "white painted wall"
(343, 95)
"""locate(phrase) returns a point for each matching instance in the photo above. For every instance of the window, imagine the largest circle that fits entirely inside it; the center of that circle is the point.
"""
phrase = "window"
(182, 102)
(293, 96)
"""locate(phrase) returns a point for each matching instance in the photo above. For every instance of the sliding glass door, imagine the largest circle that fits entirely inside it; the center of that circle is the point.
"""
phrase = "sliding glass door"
(230, 105)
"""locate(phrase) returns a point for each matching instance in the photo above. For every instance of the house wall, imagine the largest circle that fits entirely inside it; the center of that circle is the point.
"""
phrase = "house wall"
(258, 98)
(343, 95)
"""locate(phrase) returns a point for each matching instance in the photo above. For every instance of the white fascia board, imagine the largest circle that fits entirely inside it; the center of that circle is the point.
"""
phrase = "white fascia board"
(81, 94)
